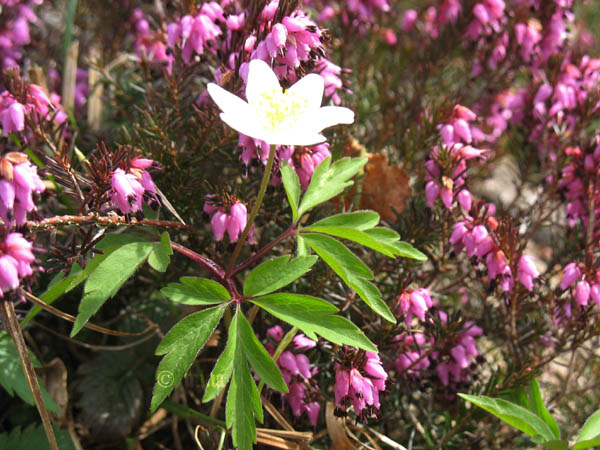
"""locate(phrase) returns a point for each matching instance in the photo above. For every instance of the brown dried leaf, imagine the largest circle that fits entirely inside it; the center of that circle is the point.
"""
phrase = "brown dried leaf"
(54, 375)
(385, 188)
(337, 430)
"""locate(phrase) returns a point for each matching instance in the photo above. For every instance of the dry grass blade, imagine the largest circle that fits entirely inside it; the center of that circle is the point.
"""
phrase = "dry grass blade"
(277, 415)
(70, 76)
(264, 437)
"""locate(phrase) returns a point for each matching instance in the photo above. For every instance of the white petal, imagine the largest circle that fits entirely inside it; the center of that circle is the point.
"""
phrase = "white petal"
(304, 139)
(260, 79)
(310, 87)
(245, 123)
(225, 100)
(328, 116)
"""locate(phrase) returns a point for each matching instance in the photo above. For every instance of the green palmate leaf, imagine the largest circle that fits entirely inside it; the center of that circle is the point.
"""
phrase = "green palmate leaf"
(360, 220)
(276, 273)
(514, 415)
(259, 359)
(181, 345)
(243, 399)
(315, 316)
(537, 406)
(291, 184)
(223, 368)
(351, 270)
(329, 180)
(160, 257)
(108, 277)
(196, 291)
(589, 436)
(12, 378)
(357, 236)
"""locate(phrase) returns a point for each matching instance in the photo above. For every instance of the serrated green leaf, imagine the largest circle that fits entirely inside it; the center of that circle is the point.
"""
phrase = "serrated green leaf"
(329, 180)
(351, 270)
(12, 378)
(196, 291)
(360, 220)
(160, 257)
(339, 252)
(406, 250)
(357, 236)
(107, 279)
(221, 373)
(291, 184)
(181, 345)
(514, 415)
(538, 407)
(315, 316)
(77, 275)
(259, 359)
(590, 429)
(276, 273)
(34, 437)
(369, 293)
(243, 399)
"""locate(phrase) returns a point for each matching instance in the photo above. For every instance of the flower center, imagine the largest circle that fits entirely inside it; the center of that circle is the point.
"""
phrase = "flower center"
(279, 110)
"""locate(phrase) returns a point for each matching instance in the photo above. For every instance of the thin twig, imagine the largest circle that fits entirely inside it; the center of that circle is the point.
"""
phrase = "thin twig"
(12, 325)
(108, 221)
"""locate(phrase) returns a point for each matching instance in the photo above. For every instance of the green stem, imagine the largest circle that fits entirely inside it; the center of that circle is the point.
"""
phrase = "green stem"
(279, 350)
(261, 194)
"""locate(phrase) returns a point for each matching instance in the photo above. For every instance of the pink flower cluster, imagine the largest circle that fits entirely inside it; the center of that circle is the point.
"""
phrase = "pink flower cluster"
(19, 183)
(478, 243)
(414, 301)
(230, 216)
(150, 45)
(454, 368)
(586, 287)
(446, 169)
(195, 33)
(359, 379)
(16, 257)
(131, 188)
(13, 113)
(412, 356)
(297, 373)
(304, 160)
(14, 31)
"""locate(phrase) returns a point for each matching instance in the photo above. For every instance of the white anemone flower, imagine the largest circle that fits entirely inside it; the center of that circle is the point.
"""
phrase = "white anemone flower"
(278, 117)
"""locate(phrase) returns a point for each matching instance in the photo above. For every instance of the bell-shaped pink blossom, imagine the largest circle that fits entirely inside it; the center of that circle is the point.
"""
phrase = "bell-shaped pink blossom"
(582, 293)
(571, 273)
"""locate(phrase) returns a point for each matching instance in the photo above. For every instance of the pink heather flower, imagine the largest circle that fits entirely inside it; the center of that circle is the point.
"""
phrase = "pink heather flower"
(432, 190)
(464, 199)
(409, 19)
(301, 342)
(571, 273)
(219, 225)
(527, 272)
(582, 293)
(12, 118)
(276, 332)
(237, 221)
(416, 301)
(126, 192)
(16, 257)
(411, 358)
(361, 384)
(595, 294)
(19, 200)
